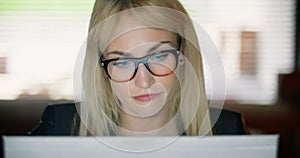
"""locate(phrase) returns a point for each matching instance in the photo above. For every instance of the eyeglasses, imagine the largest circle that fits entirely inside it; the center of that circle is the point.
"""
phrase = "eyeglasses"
(160, 63)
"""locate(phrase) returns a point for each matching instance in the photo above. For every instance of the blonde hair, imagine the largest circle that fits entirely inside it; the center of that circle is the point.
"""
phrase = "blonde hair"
(99, 112)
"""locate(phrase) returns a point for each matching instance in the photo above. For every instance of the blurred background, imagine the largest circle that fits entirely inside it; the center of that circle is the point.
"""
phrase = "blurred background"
(258, 42)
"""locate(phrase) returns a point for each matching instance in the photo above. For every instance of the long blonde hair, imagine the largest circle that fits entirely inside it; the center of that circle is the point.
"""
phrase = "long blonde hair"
(99, 112)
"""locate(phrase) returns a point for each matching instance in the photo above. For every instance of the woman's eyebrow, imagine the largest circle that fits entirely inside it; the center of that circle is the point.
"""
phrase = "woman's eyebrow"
(118, 53)
(149, 50)
(158, 45)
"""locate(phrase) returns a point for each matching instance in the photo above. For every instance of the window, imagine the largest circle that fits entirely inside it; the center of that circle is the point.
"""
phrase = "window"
(255, 40)
(40, 41)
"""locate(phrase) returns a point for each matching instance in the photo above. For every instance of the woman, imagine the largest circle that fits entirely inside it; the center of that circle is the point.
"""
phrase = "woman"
(142, 74)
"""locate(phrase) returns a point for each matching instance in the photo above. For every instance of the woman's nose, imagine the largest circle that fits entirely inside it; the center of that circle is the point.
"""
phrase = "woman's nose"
(143, 77)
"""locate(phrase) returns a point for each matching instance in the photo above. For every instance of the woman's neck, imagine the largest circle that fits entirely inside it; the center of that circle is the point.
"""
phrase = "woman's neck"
(158, 124)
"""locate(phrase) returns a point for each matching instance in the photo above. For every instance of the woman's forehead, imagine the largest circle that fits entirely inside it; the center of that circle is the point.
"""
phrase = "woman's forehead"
(130, 30)
(142, 40)
(142, 50)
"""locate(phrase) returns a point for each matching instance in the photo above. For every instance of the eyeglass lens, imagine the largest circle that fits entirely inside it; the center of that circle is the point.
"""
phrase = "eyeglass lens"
(159, 64)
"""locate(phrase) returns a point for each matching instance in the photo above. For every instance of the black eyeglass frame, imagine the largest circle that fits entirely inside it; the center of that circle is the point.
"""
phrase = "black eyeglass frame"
(137, 61)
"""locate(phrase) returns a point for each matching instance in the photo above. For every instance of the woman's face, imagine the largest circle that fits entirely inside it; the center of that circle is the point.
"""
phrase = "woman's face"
(145, 94)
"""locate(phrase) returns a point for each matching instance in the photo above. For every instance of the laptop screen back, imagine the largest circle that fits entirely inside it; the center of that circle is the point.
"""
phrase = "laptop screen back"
(260, 146)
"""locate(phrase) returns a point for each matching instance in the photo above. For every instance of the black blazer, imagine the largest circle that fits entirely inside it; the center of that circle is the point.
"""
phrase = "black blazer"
(58, 120)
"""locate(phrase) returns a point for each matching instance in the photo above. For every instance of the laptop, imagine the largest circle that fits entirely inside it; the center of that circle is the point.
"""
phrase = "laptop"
(258, 146)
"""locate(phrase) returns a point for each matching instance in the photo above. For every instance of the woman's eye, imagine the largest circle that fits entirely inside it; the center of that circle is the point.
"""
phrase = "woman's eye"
(159, 57)
(121, 64)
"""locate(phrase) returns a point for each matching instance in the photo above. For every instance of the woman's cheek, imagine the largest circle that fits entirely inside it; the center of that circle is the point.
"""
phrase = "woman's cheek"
(121, 90)
(169, 83)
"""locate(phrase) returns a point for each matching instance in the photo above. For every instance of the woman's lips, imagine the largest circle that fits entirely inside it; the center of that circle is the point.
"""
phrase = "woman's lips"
(145, 97)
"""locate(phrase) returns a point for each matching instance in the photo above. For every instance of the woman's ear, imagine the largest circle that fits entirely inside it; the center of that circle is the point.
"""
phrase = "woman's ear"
(181, 60)
(103, 72)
